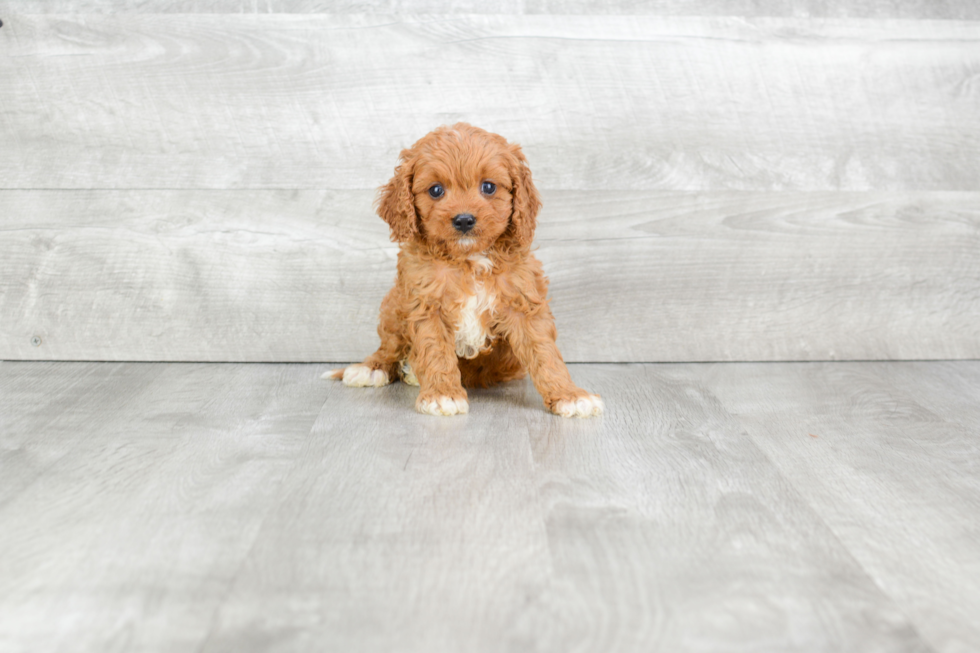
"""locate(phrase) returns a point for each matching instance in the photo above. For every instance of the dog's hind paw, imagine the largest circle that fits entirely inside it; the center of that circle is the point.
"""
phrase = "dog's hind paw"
(360, 376)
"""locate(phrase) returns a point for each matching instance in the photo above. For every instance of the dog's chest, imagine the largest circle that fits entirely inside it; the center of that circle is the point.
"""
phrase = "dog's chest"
(471, 335)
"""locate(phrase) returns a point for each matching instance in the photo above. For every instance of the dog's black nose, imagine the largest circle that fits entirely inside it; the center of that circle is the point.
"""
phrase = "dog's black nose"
(463, 222)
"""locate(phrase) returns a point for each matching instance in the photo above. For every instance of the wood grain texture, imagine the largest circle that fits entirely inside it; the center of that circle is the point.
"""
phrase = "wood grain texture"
(128, 541)
(599, 102)
(405, 533)
(864, 451)
(948, 389)
(42, 398)
(944, 9)
(209, 511)
(663, 493)
(636, 276)
(912, 9)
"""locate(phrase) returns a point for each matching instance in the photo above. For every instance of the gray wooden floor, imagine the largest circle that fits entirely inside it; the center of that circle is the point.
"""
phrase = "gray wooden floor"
(715, 507)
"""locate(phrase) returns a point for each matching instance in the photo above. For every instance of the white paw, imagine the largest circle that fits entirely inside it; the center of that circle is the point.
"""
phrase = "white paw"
(587, 406)
(443, 406)
(362, 376)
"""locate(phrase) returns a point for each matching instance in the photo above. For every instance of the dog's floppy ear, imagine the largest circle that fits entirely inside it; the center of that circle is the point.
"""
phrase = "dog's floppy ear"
(526, 201)
(396, 204)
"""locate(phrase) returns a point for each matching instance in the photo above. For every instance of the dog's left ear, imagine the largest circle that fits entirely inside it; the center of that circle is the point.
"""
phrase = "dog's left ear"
(396, 204)
(525, 200)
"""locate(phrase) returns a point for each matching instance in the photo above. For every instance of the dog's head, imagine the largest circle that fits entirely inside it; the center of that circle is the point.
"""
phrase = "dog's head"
(461, 189)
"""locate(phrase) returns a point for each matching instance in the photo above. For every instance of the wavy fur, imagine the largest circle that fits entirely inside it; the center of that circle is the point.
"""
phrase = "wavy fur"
(467, 309)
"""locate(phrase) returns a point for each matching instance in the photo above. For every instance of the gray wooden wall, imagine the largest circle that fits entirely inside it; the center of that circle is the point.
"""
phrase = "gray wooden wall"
(723, 180)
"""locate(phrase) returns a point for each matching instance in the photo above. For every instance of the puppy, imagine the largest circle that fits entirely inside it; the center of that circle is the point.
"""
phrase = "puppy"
(469, 305)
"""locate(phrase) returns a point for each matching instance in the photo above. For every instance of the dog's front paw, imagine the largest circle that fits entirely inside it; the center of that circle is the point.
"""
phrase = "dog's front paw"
(585, 405)
(360, 376)
(441, 405)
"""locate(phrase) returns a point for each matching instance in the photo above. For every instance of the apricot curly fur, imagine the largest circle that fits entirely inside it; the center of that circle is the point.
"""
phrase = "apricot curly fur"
(441, 269)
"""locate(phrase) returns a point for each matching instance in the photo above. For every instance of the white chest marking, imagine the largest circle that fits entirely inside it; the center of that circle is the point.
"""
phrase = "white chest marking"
(480, 262)
(471, 337)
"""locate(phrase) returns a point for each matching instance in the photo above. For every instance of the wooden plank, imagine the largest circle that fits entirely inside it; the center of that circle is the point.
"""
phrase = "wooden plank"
(403, 531)
(636, 276)
(892, 474)
(943, 9)
(424, 535)
(911, 9)
(263, 7)
(204, 513)
(949, 389)
(769, 276)
(599, 102)
(670, 531)
(129, 542)
(254, 276)
(55, 399)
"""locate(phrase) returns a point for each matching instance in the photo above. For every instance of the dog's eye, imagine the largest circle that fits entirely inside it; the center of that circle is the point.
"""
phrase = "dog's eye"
(488, 188)
(436, 191)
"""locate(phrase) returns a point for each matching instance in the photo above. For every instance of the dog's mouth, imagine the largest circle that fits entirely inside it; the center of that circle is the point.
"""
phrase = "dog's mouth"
(466, 241)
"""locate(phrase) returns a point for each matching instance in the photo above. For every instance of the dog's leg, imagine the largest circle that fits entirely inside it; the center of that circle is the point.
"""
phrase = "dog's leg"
(532, 336)
(433, 359)
(380, 368)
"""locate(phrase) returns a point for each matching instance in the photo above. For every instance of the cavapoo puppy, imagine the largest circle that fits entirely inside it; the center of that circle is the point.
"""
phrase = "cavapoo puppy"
(469, 305)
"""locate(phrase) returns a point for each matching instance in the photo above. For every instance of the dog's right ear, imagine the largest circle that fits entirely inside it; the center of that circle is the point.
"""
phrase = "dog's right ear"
(396, 204)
